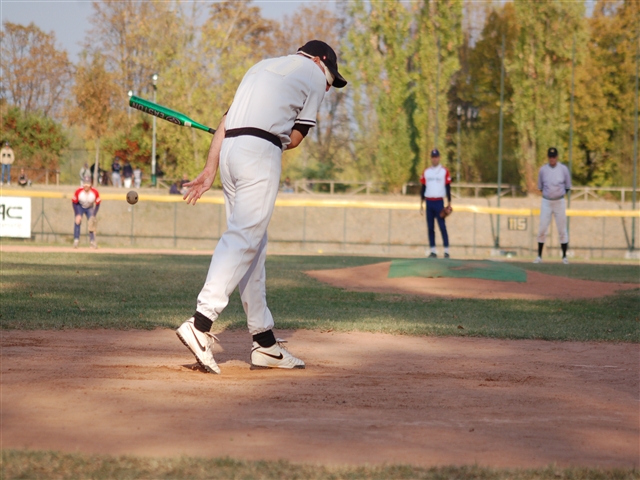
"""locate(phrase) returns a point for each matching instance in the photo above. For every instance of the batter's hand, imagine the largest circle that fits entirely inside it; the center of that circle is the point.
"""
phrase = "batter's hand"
(197, 187)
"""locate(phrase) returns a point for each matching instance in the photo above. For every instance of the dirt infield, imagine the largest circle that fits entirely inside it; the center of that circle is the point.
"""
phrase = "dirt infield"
(539, 286)
(364, 398)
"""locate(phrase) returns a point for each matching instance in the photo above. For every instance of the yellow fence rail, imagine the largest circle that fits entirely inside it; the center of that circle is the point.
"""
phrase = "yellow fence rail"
(330, 203)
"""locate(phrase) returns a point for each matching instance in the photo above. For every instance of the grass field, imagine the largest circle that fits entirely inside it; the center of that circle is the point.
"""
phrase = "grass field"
(44, 291)
(29, 465)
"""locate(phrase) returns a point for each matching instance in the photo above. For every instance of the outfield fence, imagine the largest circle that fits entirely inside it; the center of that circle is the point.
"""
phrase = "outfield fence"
(384, 225)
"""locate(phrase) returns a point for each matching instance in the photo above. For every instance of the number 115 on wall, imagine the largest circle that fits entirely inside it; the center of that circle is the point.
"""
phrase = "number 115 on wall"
(517, 223)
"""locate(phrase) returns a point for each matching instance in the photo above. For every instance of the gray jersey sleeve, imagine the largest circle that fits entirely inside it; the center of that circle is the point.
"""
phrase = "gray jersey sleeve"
(567, 180)
(540, 179)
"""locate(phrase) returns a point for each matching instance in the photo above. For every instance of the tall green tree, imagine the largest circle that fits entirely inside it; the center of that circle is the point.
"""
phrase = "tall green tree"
(477, 84)
(363, 68)
(436, 60)
(605, 96)
(390, 22)
(540, 73)
(392, 52)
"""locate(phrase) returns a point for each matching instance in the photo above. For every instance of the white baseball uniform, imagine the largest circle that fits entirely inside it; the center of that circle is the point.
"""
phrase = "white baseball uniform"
(273, 96)
(554, 183)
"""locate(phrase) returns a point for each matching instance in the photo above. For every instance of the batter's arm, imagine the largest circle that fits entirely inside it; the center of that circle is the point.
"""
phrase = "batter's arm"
(197, 187)
(296, 139)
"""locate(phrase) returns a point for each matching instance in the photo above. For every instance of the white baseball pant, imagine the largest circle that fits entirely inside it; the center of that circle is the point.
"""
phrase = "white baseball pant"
(250, 173)
(557, 208)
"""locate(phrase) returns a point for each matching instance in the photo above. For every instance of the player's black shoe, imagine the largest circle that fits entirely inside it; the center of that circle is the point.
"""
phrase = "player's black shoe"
(433, 255)
(446, 255)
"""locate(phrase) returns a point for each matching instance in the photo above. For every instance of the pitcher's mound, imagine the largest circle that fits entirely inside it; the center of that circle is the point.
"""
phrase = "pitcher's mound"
(538, 286)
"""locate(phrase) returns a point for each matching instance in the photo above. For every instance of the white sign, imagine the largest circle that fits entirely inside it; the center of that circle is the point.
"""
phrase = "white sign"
(15, 217)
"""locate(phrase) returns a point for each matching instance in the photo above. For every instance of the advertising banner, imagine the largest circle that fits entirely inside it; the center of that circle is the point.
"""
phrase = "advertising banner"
(15, 217)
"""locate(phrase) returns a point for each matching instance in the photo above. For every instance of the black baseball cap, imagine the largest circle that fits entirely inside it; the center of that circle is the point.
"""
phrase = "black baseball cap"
(435, 152)
(552, 152)
(317, 48)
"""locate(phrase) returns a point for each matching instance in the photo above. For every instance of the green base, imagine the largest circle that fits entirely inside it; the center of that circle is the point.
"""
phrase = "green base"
(434, 268)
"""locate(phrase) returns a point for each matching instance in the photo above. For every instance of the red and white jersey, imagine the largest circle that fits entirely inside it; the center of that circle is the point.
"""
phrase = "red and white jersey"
(435, 179)
(86, 199)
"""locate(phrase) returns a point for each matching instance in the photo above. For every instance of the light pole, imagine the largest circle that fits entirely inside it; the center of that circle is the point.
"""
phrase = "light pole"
(435, 139)
(153, 140)
(497, 240)
(573, 84)
(130, 94)
(459, 113)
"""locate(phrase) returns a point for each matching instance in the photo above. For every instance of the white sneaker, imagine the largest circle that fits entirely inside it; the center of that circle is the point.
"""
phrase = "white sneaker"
(276, 356)
(94, 244)
(538, 260)
(200, 344)
(565, 260)
(75, 242)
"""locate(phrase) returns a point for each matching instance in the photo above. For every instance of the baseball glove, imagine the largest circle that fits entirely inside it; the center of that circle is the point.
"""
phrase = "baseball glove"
(93, 224)
(446, 211)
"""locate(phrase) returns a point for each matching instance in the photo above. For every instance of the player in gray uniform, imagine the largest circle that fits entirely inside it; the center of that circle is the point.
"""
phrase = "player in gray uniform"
(554, 181)
(273, 109)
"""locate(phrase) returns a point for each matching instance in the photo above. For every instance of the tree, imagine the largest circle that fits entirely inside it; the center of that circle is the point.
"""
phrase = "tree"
(35, 74)
(37, 140)
(210, 60)
(439, 38)
(136, 38)
(540, 73)
(477, 84)
(605, 95)
(96, 95)
(325, 151)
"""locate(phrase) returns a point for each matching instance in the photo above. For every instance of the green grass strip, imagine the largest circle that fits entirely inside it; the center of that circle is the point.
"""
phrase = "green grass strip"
(19, 464)
(435, 268)
(78, 290)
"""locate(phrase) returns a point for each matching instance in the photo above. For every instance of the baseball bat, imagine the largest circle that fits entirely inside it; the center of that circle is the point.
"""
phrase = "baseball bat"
(167, 114)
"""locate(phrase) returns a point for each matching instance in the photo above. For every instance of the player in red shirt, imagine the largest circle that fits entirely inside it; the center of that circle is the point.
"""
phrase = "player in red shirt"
(86, 201)
(436, 184)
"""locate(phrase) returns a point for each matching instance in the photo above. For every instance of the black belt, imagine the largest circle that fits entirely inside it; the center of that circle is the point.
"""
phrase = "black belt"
(254, 132)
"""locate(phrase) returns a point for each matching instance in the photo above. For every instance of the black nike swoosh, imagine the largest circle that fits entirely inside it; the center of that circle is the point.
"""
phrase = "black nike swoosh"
(279, 357)
(204, 349)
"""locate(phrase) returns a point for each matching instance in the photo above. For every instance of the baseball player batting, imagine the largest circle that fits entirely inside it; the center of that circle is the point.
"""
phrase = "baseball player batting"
(273, 109)
(554, 181)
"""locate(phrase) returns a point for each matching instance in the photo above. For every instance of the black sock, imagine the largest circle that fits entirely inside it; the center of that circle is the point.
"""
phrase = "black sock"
(540, 246)
(564, 249)
(265, 339)
(202, 323)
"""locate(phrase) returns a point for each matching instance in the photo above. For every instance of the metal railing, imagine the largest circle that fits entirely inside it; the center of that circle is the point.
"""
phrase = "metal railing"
(46, 176)
(329, 186)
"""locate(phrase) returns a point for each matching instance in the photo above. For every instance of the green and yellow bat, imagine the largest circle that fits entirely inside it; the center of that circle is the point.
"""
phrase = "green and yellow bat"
(167, 114)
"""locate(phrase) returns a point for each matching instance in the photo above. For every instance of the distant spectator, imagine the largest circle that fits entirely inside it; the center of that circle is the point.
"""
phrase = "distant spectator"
(185, 179)
(23, 180)
(127, 174)
(6, 158)
(104, 178)
(100, 175)
(174, 189)
(85, 171)
(116, 169)
(286, 186)
(137, 176)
